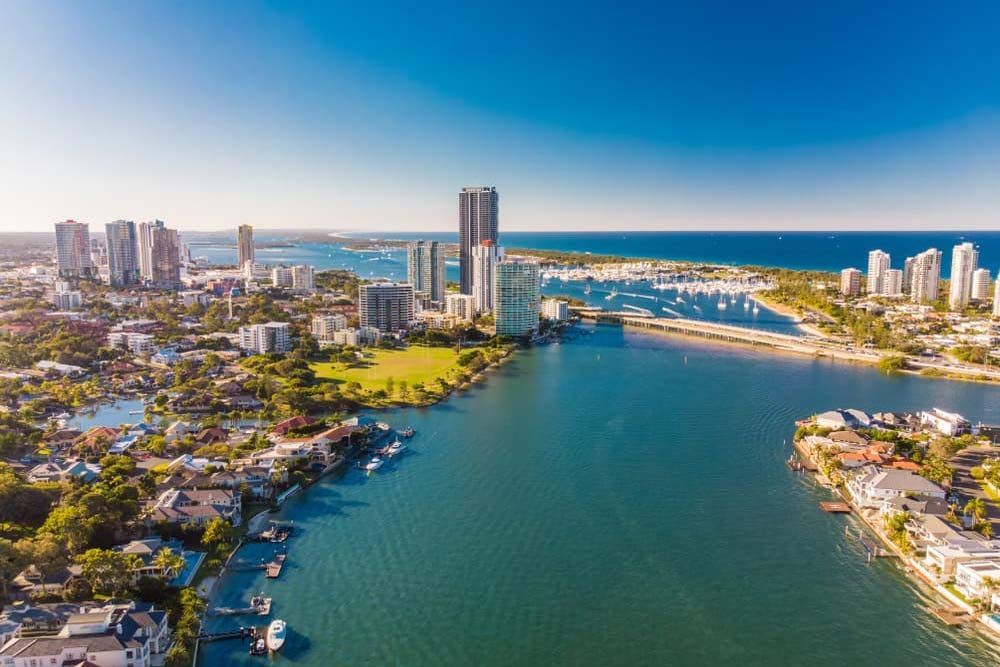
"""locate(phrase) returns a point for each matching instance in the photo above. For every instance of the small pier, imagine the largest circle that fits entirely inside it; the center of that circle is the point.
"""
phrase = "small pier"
(835, 507)
(222, 636)
(952, 615)
(275, 566)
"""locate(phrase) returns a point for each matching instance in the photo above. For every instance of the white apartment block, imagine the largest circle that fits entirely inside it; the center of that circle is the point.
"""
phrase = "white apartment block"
(516, 291)
(554, 309)
(281, 276)
(926, 274)
(324, 326)
(303, 277)
(265, 338)
(850, 282)
(485, 258)
(462, 305)
(878, 264)
(980, 285)
(139, 344)
(892, 283)
(964, 258)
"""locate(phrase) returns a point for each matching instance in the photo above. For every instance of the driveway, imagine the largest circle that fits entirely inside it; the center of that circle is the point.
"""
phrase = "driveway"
(969, 488)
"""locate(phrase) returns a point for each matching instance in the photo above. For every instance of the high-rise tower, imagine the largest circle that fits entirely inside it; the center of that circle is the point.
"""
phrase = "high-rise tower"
(478, 209)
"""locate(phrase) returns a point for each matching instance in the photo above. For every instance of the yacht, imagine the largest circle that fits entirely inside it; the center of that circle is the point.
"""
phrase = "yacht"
(374, 464)
(276, 634)
(756, 308)
(395, 448)
(586, 290)
(722, 304)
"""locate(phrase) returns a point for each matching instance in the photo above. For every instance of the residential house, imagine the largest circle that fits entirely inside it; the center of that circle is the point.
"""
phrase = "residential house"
(195, 507)
(872, 486)
(843, 419)
(946, 423)
(977, 579)
(33, 581)
(299, 421)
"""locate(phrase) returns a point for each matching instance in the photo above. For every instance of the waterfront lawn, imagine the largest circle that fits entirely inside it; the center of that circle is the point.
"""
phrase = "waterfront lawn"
(415, 366)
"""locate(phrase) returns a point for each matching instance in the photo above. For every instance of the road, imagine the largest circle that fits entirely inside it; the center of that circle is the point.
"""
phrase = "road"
(969, 488)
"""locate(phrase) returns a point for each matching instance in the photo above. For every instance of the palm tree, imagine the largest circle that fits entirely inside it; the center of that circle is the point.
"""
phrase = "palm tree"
(170, 562)
(977, 508)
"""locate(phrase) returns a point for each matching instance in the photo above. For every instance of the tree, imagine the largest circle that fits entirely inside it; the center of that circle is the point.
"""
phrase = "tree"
(11, 563)
(977, 509)
(45, 552)
(169, 561)
(108, 571)
(218, 533)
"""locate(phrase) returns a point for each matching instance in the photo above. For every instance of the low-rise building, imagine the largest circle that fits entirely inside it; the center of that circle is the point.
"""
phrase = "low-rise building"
(265, 338)
(325, 326)
(195, 506)
(946, 423)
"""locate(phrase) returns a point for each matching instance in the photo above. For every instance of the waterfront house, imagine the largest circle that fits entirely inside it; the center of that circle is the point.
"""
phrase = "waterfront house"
(848, 438)
(944, 558)
(23, 618)
(946, 423)
(299, 421)
(843, 419)
(196, 507)
(975, 579)
(210, 436)
(872, 486)
(112, 636)
(147, 550)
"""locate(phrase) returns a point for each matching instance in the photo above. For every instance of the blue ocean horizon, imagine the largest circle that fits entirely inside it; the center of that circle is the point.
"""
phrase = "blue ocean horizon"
(821, 250)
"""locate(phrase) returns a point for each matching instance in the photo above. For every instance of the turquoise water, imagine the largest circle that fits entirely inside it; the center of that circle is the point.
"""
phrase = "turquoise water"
(620, 498)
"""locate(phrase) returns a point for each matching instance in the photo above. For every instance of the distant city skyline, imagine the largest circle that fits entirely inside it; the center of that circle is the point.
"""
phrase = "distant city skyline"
(339, 116)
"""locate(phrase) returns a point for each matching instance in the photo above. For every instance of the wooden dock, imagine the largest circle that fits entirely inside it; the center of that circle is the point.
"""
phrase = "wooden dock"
(274, 567)
(952, 615)
(835, 507)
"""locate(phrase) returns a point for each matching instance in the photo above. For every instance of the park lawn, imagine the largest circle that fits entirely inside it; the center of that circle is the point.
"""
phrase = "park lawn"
(413, 365)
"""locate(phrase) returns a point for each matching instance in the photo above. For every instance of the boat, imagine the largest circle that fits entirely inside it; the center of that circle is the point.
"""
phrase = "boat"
(258, 646)
(276, 635)
(586, 290)
(722, 304)
(408, 432)
(374, 464)
(395, 448)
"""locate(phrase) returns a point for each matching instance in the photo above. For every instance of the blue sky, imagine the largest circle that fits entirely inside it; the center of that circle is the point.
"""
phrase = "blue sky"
(584, 115)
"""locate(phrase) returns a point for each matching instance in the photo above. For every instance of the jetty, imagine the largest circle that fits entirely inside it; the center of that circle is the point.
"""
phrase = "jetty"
(835, 507)
(275, 566)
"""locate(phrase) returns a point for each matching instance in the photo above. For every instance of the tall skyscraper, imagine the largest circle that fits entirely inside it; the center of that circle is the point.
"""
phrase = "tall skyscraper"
(425, 268)
(981, 285)
(964, 258)
(484, 261)
(145, 248)
(385, 306)
(165, 257)
(123, 265)
(244, 245)
(516, 296)
(878, 264)
(73, 249)
(925, 276)
(850, 282)
(908, 274)
(478, 213)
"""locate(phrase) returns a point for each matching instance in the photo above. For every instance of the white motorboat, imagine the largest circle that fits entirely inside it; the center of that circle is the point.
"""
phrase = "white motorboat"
(374, 464)
(276, 634)
(722, 304)
(395, 448)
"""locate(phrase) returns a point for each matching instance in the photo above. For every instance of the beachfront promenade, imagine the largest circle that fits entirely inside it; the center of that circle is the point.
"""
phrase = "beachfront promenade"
(810, 345)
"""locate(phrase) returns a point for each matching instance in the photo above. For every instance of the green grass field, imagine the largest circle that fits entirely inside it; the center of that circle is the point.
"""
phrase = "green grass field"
(412, 365)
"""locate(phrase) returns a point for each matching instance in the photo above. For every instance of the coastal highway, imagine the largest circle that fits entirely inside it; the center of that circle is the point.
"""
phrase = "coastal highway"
(811, 345)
